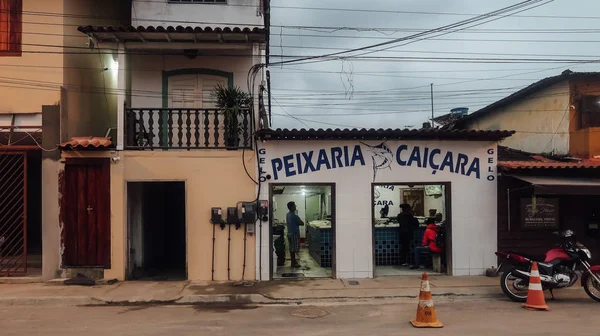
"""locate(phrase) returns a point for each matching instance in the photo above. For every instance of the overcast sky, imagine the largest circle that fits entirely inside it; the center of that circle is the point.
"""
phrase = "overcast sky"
(394, 93)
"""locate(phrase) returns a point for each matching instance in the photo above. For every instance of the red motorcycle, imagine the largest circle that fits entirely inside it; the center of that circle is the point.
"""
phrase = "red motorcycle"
(559, 269)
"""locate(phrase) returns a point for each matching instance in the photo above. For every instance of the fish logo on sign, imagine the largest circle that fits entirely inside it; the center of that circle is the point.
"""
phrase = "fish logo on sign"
(382, 157)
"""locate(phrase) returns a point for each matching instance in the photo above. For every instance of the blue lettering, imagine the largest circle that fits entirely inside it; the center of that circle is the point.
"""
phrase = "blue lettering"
(415, 156)
(289, 165)
(447, 162)
(357, 156)
(431, 157)
(336, 157)
(398, 152)
(461, 162)
(474, 168)
(308, 161)
(323, 160)
(299, 163)
(277, 166)
(346, 156)
(425, 157)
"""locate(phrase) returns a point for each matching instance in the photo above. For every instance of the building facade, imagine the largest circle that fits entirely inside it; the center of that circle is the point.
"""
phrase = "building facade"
(43, 71)
(554, 115)
(361, 178)
(135, 200)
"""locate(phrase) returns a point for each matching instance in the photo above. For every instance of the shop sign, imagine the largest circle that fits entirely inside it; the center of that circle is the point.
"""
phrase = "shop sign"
(382, 157)
(539, 213)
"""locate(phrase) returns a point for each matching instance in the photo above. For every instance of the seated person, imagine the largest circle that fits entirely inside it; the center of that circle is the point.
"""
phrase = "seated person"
(428, 245)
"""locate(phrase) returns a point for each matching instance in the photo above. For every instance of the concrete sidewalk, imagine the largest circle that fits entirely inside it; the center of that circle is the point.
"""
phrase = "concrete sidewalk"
(322, 291)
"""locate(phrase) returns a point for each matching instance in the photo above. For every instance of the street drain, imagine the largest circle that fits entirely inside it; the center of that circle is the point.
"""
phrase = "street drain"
(309, 313)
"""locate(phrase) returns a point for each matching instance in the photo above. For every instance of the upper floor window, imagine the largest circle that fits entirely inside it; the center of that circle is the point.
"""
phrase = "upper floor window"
(199, 1)
(11, 13)
(589, 110)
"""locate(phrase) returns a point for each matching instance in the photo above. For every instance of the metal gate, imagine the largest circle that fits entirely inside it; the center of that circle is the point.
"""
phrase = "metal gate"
(13, 213)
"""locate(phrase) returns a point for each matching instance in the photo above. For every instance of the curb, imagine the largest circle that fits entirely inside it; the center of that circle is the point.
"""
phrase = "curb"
(228, 300)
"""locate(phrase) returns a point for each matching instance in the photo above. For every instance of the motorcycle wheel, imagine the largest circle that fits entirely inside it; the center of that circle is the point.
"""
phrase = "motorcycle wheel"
(592, 287)
(513, 287)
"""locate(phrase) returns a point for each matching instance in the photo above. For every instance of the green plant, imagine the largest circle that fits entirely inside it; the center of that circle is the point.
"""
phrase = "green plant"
(232, 100)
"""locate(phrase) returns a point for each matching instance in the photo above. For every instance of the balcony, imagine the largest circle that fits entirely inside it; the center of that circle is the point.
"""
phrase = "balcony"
(174, 128)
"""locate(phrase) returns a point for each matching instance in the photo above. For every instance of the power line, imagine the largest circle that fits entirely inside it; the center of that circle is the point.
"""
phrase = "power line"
(444, 30)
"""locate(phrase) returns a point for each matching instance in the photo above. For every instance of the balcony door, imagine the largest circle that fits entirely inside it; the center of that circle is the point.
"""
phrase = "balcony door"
(187, 95)
(193, 91)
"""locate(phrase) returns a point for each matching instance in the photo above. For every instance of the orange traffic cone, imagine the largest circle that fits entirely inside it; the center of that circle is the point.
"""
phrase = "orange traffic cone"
(426, 317)
(535, 295)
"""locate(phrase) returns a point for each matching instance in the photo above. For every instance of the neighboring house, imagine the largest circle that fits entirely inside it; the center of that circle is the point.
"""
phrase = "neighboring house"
(538, 196)
(557, 115)
(42, 80)
(138, 205)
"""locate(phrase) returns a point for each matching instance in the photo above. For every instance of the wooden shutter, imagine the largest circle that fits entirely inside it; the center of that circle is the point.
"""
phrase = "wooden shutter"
(208, 84)
(11, 21)
(183, 92)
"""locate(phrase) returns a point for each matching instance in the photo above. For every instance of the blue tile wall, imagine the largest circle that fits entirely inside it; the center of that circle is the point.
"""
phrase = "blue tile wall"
(388, 248)
(320, 245)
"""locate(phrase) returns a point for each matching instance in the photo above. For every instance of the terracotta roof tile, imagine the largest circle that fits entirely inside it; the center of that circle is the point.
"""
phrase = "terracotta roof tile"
(548, 164)
(87, 143)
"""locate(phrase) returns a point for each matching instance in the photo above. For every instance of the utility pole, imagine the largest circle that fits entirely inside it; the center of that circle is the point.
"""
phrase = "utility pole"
(432, 103)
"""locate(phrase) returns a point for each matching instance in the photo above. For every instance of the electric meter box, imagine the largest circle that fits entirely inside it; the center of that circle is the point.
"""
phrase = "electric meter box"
(248, 212)
(232, 215)
(216, 215)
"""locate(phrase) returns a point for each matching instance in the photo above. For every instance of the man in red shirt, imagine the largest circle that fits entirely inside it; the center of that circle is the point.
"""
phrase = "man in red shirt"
(428, 245)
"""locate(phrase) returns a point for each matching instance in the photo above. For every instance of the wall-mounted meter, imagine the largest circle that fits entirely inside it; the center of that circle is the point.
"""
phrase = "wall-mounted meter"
(232, 215)
(216, 215)
(248, 212)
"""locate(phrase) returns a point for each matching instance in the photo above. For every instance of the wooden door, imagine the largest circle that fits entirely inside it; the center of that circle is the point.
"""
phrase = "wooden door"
(86, 213)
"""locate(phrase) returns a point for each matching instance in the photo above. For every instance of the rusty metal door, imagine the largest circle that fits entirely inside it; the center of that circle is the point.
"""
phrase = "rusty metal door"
(13, 213)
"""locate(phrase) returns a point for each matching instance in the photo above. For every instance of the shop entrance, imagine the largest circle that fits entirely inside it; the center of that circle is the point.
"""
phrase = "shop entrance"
(398, 234)
(310, 243)
(156, 227)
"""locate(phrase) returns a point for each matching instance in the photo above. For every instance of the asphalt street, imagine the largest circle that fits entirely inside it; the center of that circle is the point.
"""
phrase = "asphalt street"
(572, 316)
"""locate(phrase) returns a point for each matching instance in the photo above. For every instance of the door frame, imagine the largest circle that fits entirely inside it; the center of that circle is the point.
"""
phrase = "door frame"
(333, 224)
(128, 264)
(447, 195)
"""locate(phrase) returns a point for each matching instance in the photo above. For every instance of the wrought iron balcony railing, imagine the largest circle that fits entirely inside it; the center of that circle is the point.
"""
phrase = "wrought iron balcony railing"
(175, 128)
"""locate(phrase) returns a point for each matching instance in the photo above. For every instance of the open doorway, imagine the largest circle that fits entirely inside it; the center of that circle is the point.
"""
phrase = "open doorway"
(311, 242)
(396, 242)
(157, 231)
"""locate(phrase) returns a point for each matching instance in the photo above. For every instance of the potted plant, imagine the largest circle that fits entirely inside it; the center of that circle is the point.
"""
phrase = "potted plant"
(232, 100)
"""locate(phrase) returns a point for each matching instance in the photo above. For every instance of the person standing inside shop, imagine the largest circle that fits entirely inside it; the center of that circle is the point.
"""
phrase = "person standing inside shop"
(408, 224)
(293, 225)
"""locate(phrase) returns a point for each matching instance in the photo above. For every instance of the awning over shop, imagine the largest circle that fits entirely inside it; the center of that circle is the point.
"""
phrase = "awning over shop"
(558, 185)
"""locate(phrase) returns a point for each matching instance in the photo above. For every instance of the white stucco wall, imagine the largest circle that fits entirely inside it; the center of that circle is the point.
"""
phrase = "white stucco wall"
(241, 13)
(473, 199)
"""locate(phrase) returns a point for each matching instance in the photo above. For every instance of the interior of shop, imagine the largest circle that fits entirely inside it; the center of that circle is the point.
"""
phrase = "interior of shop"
(315, 255)
(156, 222)
(394, 246)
